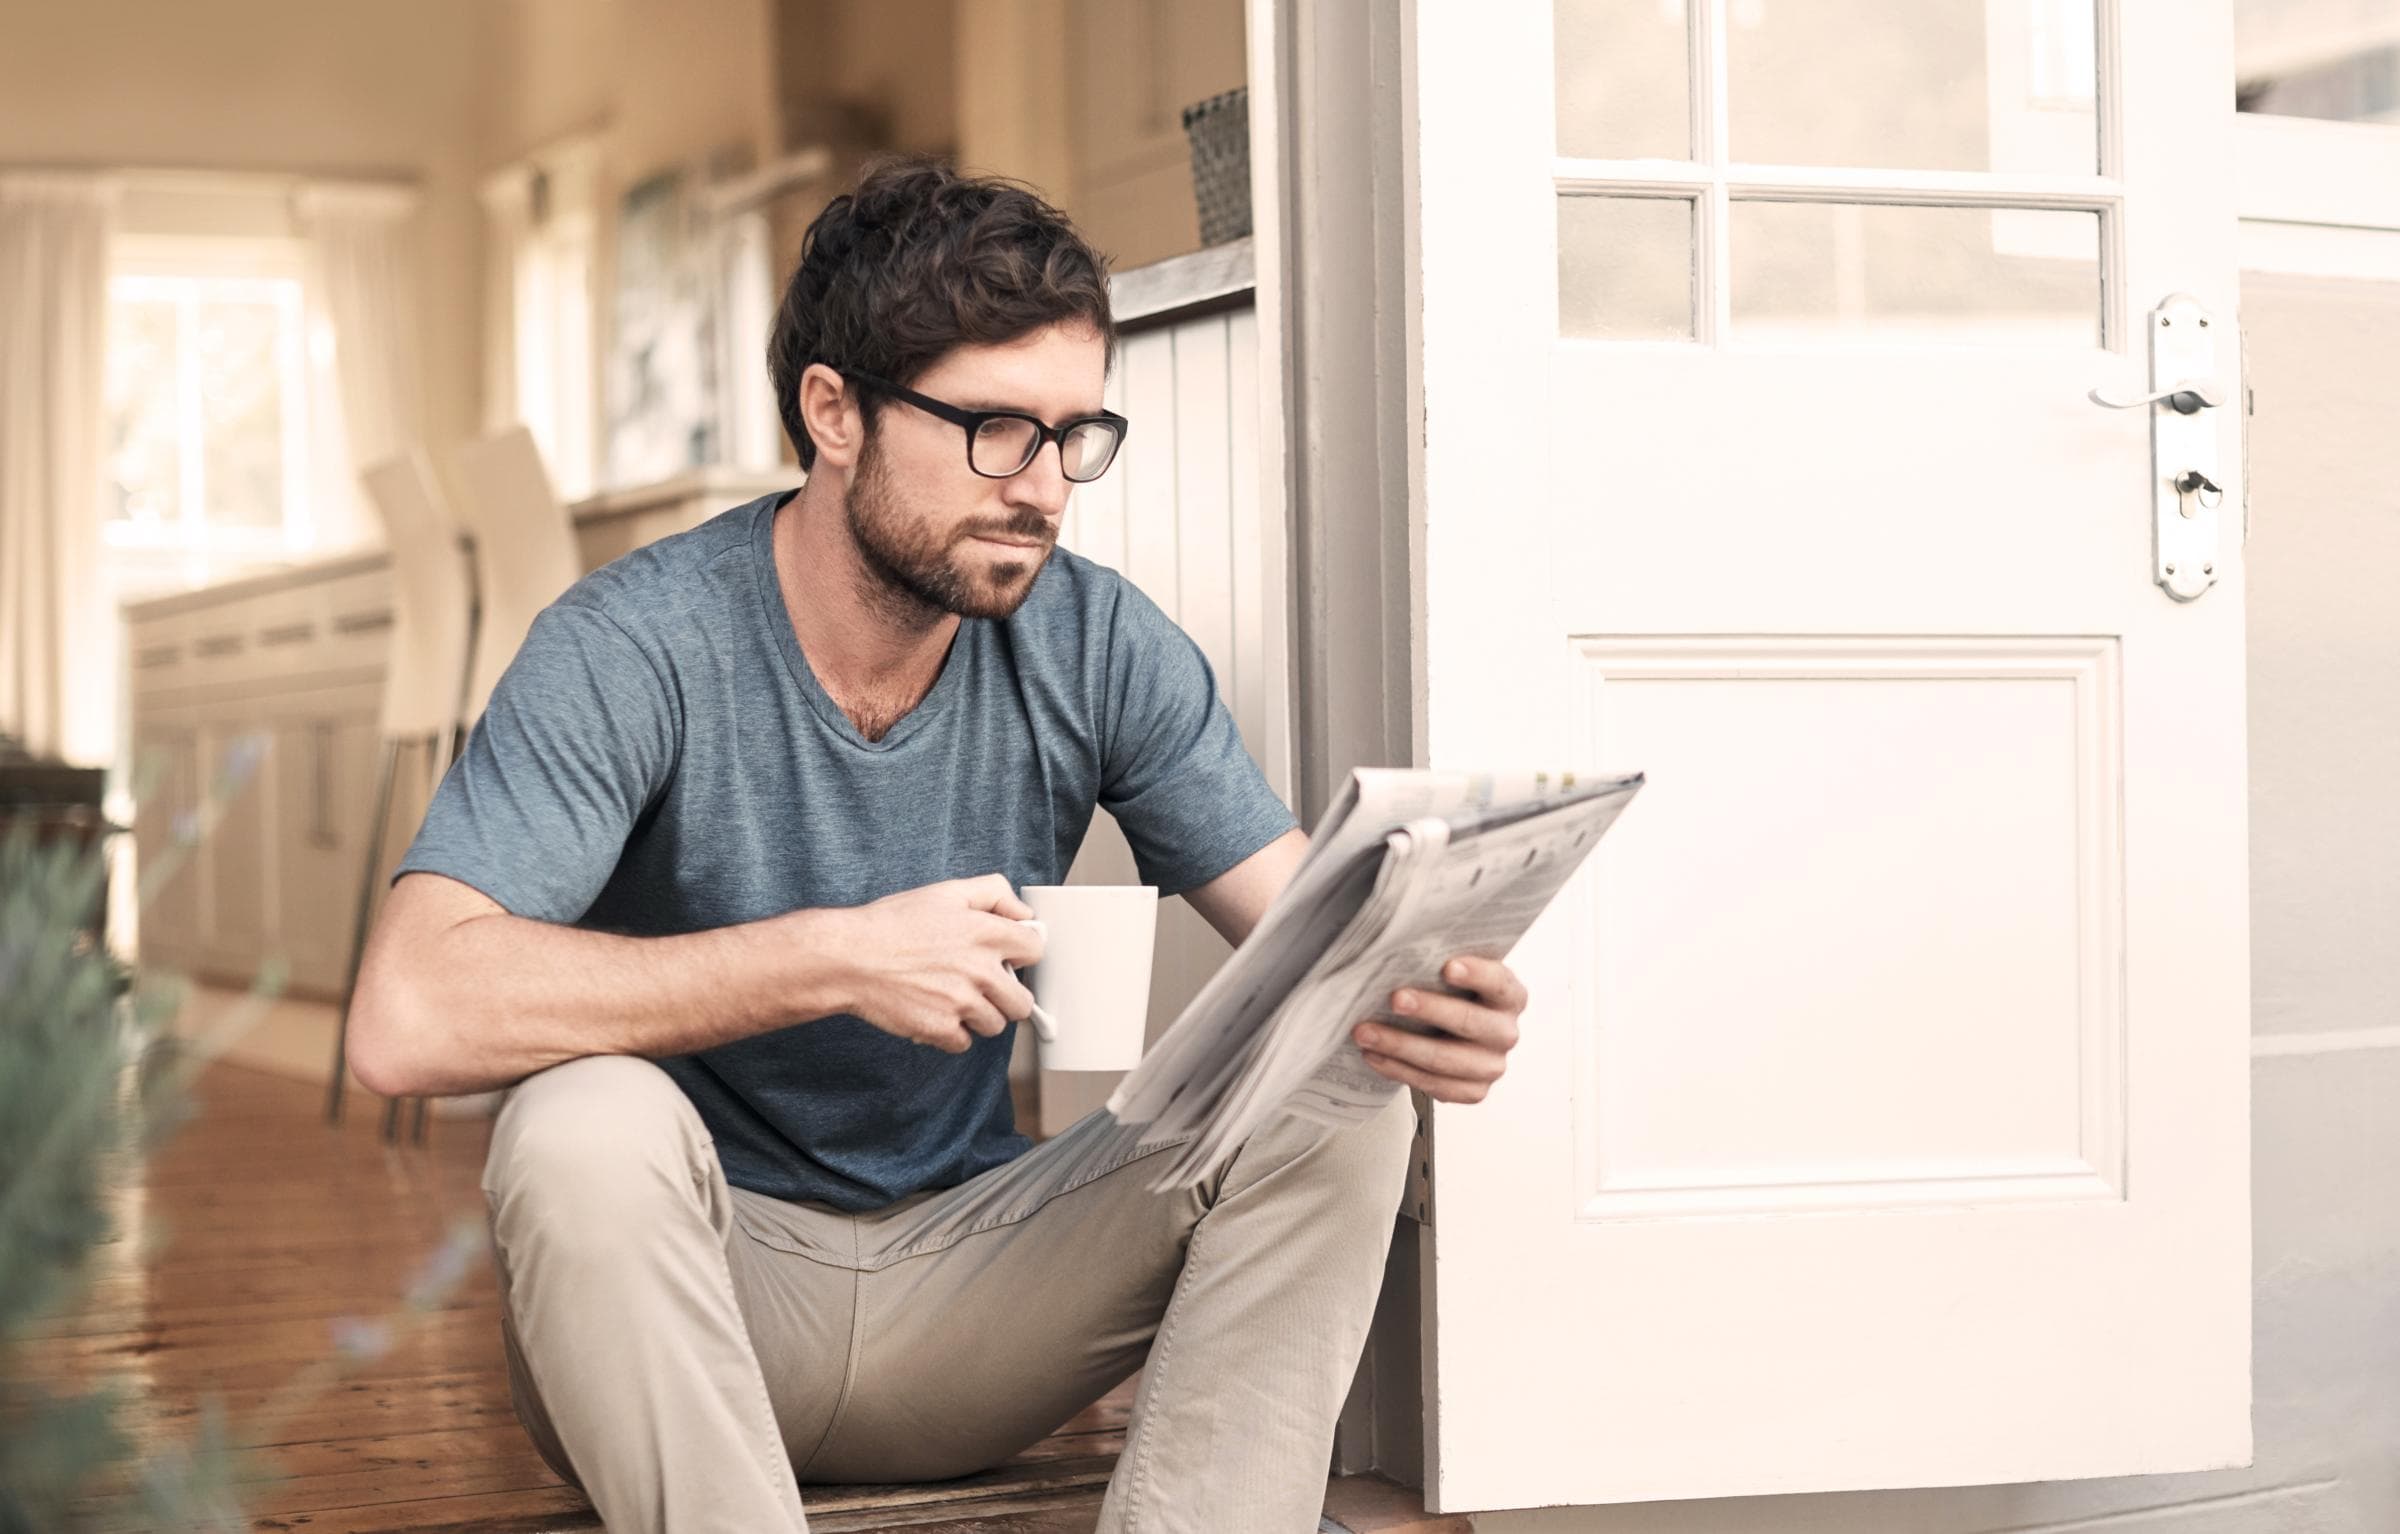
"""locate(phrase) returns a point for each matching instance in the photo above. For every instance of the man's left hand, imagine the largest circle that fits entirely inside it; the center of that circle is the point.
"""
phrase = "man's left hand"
(1482, 1029)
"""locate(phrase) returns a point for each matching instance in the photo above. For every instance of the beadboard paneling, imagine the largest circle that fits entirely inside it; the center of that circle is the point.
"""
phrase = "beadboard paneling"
(1178, 514)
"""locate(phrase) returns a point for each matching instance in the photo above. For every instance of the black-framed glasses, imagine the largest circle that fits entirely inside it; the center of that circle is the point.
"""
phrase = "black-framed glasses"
(1003, 442)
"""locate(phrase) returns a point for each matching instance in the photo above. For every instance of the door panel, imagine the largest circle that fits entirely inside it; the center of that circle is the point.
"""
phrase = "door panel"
(1881, 1117)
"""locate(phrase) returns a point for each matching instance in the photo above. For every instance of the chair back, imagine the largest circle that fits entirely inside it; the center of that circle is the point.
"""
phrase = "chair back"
(525, 553)
(432, 601)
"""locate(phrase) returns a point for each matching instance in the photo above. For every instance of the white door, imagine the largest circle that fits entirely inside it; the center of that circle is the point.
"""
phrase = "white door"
(1881, 1118)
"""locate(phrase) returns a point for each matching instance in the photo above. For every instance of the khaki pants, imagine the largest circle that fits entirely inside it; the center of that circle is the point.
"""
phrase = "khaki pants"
(689, 1353)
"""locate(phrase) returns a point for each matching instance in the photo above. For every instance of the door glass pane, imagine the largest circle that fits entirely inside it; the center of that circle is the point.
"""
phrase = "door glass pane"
(1975, 85)
(1856, 271)
(1625, 268)
(2307, 58)
(1624, 79)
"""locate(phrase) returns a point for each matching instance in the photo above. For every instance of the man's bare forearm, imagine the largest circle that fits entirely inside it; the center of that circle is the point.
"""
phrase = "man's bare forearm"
(488, 1000)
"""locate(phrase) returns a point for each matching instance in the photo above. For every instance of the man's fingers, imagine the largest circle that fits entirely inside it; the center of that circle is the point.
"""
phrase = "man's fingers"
(1459, 1015)
(957, 1041)
(1004, 993)
(1490, 979)
(986, 1019)
(1012, 998)
(1018, 944)
(1438, 1057)
(993, 893)
(1447, 1089)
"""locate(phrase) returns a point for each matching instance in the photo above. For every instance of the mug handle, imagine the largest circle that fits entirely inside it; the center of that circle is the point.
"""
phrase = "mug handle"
(1045, 1026)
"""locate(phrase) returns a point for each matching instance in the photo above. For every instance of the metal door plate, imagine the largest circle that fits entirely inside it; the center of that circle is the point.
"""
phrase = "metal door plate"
(2183, 348)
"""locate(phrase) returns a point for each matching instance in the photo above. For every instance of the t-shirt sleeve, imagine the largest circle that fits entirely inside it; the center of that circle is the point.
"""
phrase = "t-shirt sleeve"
(1174, 773)
(578, 738)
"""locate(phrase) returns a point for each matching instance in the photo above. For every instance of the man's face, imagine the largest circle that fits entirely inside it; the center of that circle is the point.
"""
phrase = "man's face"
(931, 528)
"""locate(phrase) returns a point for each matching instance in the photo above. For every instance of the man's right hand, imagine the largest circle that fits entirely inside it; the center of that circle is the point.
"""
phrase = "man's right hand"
(932, 964)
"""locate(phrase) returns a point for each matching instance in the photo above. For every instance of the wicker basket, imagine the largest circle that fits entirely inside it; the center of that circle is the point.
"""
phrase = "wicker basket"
(1219, 129)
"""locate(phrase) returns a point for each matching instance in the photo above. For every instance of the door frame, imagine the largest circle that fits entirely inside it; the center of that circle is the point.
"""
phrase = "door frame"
(2308, 190)
(1332, 168)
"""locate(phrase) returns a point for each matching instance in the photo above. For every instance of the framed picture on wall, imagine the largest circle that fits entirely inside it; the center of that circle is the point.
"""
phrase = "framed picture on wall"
(665, 359)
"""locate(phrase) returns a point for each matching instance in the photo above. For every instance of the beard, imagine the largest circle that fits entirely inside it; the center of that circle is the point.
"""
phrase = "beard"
(924, 571)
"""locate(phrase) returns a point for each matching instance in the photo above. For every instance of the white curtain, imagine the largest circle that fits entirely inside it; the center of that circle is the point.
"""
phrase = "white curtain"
(58, 630)
(363, 260)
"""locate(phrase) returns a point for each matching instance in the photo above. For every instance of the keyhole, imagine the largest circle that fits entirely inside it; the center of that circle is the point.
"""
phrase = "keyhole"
(2200, 488)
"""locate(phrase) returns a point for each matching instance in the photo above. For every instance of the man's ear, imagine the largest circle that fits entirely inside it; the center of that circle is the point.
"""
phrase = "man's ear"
(829, 409)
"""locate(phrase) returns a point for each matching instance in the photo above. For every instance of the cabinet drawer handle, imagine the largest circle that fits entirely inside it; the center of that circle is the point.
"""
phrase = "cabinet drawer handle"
(360, 623)
(157, 655)
(320, 818)
(287, 633)
(218, 644)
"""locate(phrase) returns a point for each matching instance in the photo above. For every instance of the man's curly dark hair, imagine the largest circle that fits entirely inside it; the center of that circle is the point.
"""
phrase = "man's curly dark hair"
(917, 259)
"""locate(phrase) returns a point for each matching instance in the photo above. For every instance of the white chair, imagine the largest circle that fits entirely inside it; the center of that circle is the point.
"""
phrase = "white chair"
(525, 551)
(424, 687)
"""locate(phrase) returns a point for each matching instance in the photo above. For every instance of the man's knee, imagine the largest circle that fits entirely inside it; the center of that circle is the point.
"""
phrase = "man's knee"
(1385, 1142)
(603, 1129)
(1366, 1161)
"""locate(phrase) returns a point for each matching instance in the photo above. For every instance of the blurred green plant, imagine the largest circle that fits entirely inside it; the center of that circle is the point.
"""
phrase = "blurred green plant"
(92, 1082)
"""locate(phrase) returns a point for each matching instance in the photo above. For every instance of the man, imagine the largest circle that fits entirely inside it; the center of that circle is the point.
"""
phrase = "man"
(725, 885)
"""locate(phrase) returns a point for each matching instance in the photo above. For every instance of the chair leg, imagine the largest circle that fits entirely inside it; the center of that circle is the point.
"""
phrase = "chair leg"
(358, 931)
(416, 1122)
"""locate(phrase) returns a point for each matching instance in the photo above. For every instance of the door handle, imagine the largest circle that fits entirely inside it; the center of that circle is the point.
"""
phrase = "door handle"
(2189, 397)
(2184, 493)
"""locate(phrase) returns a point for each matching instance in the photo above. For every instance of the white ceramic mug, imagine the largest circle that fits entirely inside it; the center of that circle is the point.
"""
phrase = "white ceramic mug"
(1092, 989)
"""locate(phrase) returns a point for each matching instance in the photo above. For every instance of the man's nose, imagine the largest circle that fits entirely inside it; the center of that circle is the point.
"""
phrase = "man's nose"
(1042, 483)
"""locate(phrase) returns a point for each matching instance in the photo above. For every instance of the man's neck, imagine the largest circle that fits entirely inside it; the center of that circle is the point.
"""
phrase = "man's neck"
(877, 651)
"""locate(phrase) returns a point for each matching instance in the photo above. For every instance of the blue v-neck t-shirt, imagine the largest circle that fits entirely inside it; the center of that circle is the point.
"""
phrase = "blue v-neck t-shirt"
(659, 758)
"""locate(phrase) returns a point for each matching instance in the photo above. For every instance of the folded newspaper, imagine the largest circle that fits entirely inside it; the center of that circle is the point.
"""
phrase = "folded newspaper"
(1406, 870)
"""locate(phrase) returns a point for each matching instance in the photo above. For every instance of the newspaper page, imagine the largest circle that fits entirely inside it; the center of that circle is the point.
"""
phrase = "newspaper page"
(1406, 870)
(1221, 1023)
(1479, 888)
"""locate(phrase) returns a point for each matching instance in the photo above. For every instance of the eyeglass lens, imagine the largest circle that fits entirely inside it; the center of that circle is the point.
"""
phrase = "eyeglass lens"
(1003, 445)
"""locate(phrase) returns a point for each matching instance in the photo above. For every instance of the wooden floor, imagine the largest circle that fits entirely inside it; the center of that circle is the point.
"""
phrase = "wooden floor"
(282, 1284)
(287, 1253)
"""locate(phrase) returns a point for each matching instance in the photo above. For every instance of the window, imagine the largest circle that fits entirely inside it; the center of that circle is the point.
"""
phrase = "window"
(554, 348)
(542, 225)
(207, 418)
(211, 408)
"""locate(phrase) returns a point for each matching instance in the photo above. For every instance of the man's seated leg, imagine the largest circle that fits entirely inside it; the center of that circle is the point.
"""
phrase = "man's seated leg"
(629, 1358)
(991, 1312)
(1233, 1420)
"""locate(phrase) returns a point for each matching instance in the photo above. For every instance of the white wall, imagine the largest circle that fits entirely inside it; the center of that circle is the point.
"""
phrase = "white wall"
(1136, 68)
(1084, 98)
(2324, 687)
(671, 78)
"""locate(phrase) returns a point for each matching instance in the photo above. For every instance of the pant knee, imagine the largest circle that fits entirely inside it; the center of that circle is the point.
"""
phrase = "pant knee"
(601, 1128)
(1386, 1142)
(1365, 1162)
